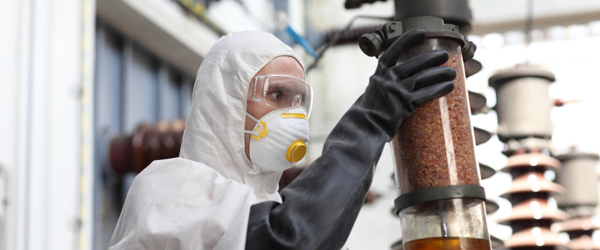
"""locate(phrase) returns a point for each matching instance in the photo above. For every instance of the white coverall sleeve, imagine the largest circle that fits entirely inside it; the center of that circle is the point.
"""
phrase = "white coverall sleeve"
(182, 204)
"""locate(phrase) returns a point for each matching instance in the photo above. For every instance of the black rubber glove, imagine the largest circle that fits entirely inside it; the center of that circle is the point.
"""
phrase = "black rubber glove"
(321, 205)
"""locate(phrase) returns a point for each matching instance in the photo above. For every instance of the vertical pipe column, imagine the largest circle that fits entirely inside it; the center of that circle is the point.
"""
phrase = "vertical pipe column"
(579, 177)
(440, 201)
(524, 125)
(455, 12)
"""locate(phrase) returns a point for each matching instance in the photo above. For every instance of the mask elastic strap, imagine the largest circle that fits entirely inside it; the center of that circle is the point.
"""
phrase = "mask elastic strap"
(254, 119)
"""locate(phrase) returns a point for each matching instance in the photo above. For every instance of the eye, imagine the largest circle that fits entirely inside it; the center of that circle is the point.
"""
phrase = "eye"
(276, 95)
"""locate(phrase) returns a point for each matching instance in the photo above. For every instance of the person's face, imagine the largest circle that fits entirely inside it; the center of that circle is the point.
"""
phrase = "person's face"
(283, 65)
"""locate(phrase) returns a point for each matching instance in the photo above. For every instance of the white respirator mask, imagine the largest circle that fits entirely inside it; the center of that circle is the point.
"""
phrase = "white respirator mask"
(278, 139)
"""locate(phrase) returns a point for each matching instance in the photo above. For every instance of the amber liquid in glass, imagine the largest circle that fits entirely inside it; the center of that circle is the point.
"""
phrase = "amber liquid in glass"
(448, 243)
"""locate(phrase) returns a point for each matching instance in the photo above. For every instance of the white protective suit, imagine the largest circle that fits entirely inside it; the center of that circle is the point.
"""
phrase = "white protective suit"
(202, 200)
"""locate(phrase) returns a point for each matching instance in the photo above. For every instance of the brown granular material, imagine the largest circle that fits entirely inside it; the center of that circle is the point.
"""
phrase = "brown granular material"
(423, 147)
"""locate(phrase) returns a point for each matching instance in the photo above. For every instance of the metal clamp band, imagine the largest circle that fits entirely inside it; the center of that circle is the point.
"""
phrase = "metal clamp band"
(439, 193)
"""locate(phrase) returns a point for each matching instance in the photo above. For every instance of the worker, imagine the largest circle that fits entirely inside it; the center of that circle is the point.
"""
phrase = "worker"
(249, 123)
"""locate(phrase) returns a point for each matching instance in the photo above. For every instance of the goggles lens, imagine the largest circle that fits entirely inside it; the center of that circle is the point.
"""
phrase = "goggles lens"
(280, 91)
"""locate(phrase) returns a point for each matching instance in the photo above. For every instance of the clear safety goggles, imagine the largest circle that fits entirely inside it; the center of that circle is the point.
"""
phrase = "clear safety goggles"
(281, 91)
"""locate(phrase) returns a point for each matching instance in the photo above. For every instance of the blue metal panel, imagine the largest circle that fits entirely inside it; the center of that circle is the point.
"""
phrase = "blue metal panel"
(187, 86)
(140, 88)
(131, 87)
(109, 73)
(108, 113)
(168, 94)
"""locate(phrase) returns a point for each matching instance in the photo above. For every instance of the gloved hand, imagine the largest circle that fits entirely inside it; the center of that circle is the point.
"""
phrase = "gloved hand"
(321, 205)
(394, 90)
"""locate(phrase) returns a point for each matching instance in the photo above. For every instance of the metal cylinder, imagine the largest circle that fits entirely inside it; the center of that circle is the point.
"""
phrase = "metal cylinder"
(456, 12)
(580, 179)
(523, 102)
(435, 146)
(441, 203)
